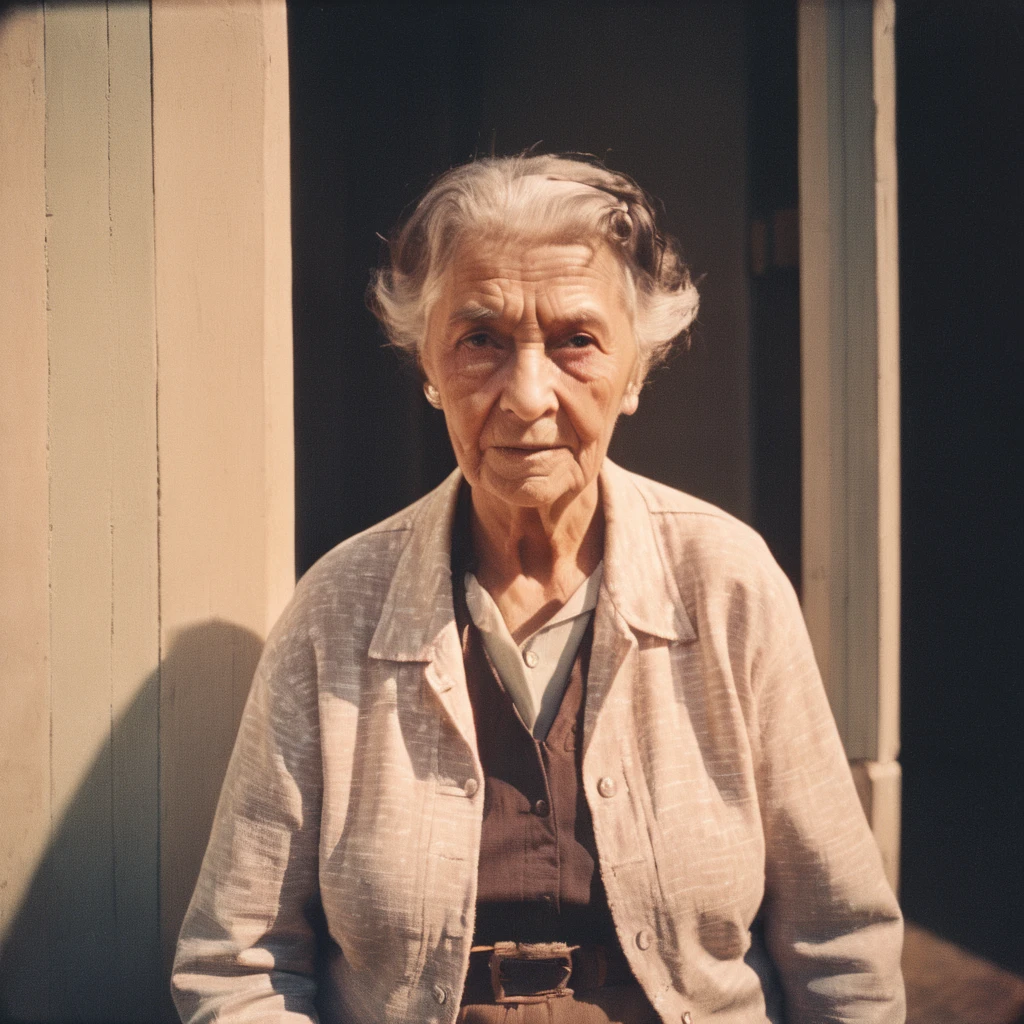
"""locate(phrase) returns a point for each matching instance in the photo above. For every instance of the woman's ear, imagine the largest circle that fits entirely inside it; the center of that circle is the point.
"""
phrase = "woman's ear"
(630, 400)
(433, 395)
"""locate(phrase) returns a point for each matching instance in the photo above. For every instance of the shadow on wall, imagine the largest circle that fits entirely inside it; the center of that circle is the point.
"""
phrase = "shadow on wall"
(85, 944)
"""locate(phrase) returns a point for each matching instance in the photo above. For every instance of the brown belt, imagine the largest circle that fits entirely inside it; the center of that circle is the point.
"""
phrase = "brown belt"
(533, 972)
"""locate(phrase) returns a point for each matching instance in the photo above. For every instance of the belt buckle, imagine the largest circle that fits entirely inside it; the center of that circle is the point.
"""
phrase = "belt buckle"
(547, 964)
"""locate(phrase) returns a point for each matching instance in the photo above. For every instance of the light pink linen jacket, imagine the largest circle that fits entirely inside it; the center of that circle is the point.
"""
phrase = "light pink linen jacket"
(743, 880)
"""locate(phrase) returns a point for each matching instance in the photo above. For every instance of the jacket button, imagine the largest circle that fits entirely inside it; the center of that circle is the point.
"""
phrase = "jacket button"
(470, 787)
(644, 938)
(606, 786)
(541, 809)
(440, 995)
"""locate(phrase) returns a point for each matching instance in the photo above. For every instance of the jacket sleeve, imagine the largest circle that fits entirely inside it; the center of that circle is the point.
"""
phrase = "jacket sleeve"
(832, 924)
(247, 946)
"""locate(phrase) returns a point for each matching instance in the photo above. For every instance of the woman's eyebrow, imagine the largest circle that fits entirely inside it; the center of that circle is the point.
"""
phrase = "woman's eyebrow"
(584, 316)
(472, 313)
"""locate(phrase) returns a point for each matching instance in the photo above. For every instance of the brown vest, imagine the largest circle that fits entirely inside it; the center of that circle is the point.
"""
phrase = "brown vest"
(538, 873)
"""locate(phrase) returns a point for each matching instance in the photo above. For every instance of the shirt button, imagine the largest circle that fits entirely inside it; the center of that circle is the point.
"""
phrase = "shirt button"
(440, 995)
(643, 938)
(470, 787)
(541, 809)
(606, 786)
(532, 658)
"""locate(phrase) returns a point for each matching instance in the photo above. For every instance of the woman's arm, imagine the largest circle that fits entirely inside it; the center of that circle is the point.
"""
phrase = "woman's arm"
(247, 946)
(832, 923)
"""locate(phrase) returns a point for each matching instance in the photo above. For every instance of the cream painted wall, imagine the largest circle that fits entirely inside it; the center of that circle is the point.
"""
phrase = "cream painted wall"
(145, 469)
(24, 486)
(223, 291)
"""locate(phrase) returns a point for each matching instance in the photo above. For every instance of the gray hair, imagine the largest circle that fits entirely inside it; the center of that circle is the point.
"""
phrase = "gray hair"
(558, 199)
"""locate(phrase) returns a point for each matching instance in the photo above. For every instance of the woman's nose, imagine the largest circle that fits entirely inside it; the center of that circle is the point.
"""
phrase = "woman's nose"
(529, 390)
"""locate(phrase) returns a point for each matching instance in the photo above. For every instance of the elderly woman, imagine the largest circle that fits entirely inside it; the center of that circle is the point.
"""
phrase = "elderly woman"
(549, 745)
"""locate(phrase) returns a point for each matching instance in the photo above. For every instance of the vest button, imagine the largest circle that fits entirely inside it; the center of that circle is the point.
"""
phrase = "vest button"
(470, 787)
(644, 938)
(440, 995)
(606, 786)
(541, 809)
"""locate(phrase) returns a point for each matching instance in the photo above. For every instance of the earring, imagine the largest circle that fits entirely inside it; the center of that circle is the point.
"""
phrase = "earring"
(630, 401)
(433, 395)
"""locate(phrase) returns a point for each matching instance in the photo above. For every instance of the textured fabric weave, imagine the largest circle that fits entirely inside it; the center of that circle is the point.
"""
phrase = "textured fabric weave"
(743, 880)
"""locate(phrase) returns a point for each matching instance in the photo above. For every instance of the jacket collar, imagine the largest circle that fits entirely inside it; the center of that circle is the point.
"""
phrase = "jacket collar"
(636, 577)
(636, 580)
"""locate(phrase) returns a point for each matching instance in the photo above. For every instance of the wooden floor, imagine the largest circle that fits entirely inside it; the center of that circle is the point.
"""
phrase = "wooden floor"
(947, 985)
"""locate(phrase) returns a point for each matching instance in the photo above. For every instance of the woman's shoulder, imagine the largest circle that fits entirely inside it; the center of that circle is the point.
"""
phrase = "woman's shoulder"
(702, 526)
(372, 554)
(353, 578)
(705, 547)
(369, 553)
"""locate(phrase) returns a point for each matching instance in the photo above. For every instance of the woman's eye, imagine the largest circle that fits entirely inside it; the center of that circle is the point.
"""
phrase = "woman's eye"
(579, 341)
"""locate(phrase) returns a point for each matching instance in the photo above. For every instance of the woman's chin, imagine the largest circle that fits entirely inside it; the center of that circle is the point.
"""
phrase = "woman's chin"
(533, 490)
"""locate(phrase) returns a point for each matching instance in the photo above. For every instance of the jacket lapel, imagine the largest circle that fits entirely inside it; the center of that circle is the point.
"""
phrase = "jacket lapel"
(639, 594)
(637, 580)
(417, 623)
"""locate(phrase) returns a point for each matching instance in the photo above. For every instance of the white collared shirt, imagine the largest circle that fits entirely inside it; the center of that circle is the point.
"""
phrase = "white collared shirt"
(536, 672)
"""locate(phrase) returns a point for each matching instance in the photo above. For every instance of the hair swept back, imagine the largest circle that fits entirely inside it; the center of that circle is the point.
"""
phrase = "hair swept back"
(550, 198)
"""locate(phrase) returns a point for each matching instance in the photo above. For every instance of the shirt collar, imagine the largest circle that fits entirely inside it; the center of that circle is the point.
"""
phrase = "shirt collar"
(486, 617)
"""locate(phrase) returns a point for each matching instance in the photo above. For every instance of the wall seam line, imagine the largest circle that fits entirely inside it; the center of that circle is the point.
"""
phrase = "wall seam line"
(159, 506)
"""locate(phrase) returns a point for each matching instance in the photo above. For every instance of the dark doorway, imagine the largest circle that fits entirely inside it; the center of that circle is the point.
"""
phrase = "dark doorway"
(774, 266)
(959, 149)
(385, 97)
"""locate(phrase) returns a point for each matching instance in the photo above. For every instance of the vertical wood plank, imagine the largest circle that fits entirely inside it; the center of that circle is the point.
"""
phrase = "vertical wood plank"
(224, 341)
(209, 230)
(887, 237)
(78, 259)
(139, 982)
(279, 454)
(854, 335)
(24, 510)
(815, 352)
(850, 357)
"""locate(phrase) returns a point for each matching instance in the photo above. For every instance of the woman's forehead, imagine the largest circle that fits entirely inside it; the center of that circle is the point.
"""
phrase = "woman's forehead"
(482, 267)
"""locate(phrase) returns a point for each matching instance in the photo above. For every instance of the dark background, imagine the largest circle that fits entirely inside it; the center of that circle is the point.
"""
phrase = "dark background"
(385, 98)
(698, 102)
(959, 149)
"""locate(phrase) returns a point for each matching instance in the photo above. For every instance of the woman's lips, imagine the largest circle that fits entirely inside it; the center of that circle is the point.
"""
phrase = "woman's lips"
(531, 458)
(525, 451)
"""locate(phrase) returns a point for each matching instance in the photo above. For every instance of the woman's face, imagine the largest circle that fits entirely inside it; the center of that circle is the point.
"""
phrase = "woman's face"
(531, 348)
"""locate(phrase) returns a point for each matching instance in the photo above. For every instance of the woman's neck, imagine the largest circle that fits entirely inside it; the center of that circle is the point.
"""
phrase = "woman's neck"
(532, 560)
